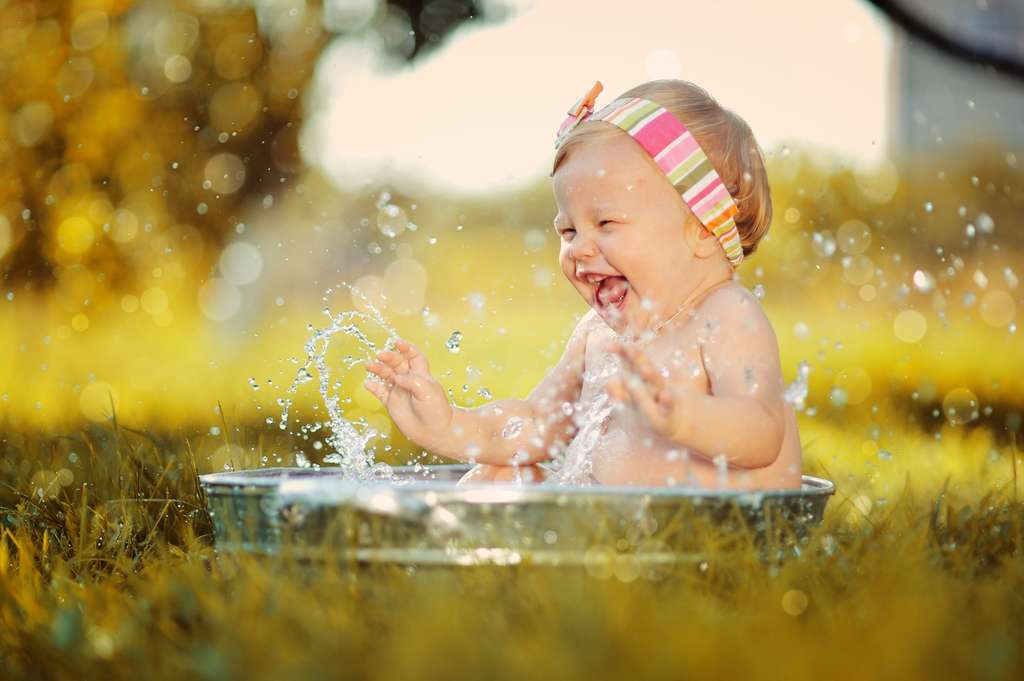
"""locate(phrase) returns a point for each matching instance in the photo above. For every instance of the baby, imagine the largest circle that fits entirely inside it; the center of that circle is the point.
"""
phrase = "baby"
(672, 377)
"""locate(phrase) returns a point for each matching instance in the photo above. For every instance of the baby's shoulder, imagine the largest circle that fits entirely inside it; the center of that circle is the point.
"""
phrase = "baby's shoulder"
(580, 341)
(590, 323)
(730, 309)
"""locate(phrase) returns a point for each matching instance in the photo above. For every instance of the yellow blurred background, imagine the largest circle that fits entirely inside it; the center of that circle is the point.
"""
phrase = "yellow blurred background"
(167, 250)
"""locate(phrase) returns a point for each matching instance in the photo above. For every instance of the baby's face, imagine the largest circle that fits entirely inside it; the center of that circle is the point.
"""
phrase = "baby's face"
(627, 239)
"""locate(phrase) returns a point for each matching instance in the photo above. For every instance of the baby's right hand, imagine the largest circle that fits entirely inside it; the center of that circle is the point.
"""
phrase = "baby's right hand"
(414, 399)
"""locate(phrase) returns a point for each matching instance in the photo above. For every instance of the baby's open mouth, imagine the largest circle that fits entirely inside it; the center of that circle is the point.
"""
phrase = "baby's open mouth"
(611, 292)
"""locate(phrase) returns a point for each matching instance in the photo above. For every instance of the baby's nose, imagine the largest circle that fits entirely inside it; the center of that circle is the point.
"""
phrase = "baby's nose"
(583, 247)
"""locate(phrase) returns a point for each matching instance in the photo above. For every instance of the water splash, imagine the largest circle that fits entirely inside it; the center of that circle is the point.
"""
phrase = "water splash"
(577, 466)
(796, 392)
(512, 428)
(349, 443)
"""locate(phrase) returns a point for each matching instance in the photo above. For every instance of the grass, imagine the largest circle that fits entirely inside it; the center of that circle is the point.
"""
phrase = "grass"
(114, 576)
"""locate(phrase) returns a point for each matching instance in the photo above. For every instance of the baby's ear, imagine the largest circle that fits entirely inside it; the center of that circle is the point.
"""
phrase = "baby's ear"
(701, 241)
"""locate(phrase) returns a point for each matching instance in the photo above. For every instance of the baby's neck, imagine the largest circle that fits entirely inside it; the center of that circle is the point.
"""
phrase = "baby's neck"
(689, 302)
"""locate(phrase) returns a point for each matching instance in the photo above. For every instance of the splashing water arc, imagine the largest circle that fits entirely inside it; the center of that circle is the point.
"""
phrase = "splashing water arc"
(347, 441)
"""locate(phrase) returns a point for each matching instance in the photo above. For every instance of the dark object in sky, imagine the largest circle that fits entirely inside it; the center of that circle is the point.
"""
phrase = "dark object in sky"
(988, 42)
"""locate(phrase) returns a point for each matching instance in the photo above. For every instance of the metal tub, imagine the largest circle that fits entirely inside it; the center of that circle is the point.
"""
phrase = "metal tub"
(425, 519)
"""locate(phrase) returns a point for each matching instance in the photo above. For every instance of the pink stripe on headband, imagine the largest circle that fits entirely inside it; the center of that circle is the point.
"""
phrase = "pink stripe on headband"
(716, 187)
(672, 156)
(713, 195)
(678, 155)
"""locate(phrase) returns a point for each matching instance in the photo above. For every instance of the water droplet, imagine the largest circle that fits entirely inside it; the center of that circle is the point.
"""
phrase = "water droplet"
(391, 220)
(454, 342)
(253, 384)
(985, 223)
(477, 300)
(513, 427)
(960, 406)
(1010, 277)
(823, 243)
(928, 206)
(853, 237)
(923, 281)
(796, 392)
(759, 291)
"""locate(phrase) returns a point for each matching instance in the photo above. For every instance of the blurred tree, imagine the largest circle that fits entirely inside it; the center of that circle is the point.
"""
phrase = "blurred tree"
(133, 135)
(433, 20)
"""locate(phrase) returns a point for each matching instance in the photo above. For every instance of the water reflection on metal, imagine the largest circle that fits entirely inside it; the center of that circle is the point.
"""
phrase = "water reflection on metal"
(423, 518)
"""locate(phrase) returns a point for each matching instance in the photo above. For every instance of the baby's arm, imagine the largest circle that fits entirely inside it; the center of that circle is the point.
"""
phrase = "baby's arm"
(499, 433)
(523, 431)
(744, 416)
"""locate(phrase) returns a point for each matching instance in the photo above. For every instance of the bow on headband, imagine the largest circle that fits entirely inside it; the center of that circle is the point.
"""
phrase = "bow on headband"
(579, 112)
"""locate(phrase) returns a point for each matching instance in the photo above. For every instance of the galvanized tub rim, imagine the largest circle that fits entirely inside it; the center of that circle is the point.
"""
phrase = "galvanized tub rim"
(304, 481)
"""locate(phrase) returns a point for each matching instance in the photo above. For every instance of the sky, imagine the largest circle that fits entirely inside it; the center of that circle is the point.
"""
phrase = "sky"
(480, 113)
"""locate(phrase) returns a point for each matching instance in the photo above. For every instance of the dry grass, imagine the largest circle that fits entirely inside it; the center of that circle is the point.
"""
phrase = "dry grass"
(116, 578)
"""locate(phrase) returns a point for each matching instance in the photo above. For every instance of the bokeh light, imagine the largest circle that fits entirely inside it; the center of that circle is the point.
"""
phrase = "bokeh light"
(910, 326)
(98, 401)
(219, 299)
(241, 263)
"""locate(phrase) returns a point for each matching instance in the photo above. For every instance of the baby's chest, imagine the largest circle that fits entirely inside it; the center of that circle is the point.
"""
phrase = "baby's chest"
(677, 358)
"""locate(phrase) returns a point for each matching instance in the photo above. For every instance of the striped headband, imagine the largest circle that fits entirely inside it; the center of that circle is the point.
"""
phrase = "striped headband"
(676, 152)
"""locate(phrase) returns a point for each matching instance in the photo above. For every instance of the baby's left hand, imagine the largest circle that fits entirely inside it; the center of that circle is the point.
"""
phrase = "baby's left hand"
(647, 390)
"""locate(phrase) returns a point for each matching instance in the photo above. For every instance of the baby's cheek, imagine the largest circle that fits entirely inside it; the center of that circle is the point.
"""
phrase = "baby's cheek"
(567, 264)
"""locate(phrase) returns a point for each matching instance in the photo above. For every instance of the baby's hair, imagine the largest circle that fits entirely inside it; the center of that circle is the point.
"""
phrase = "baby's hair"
(726, 139)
